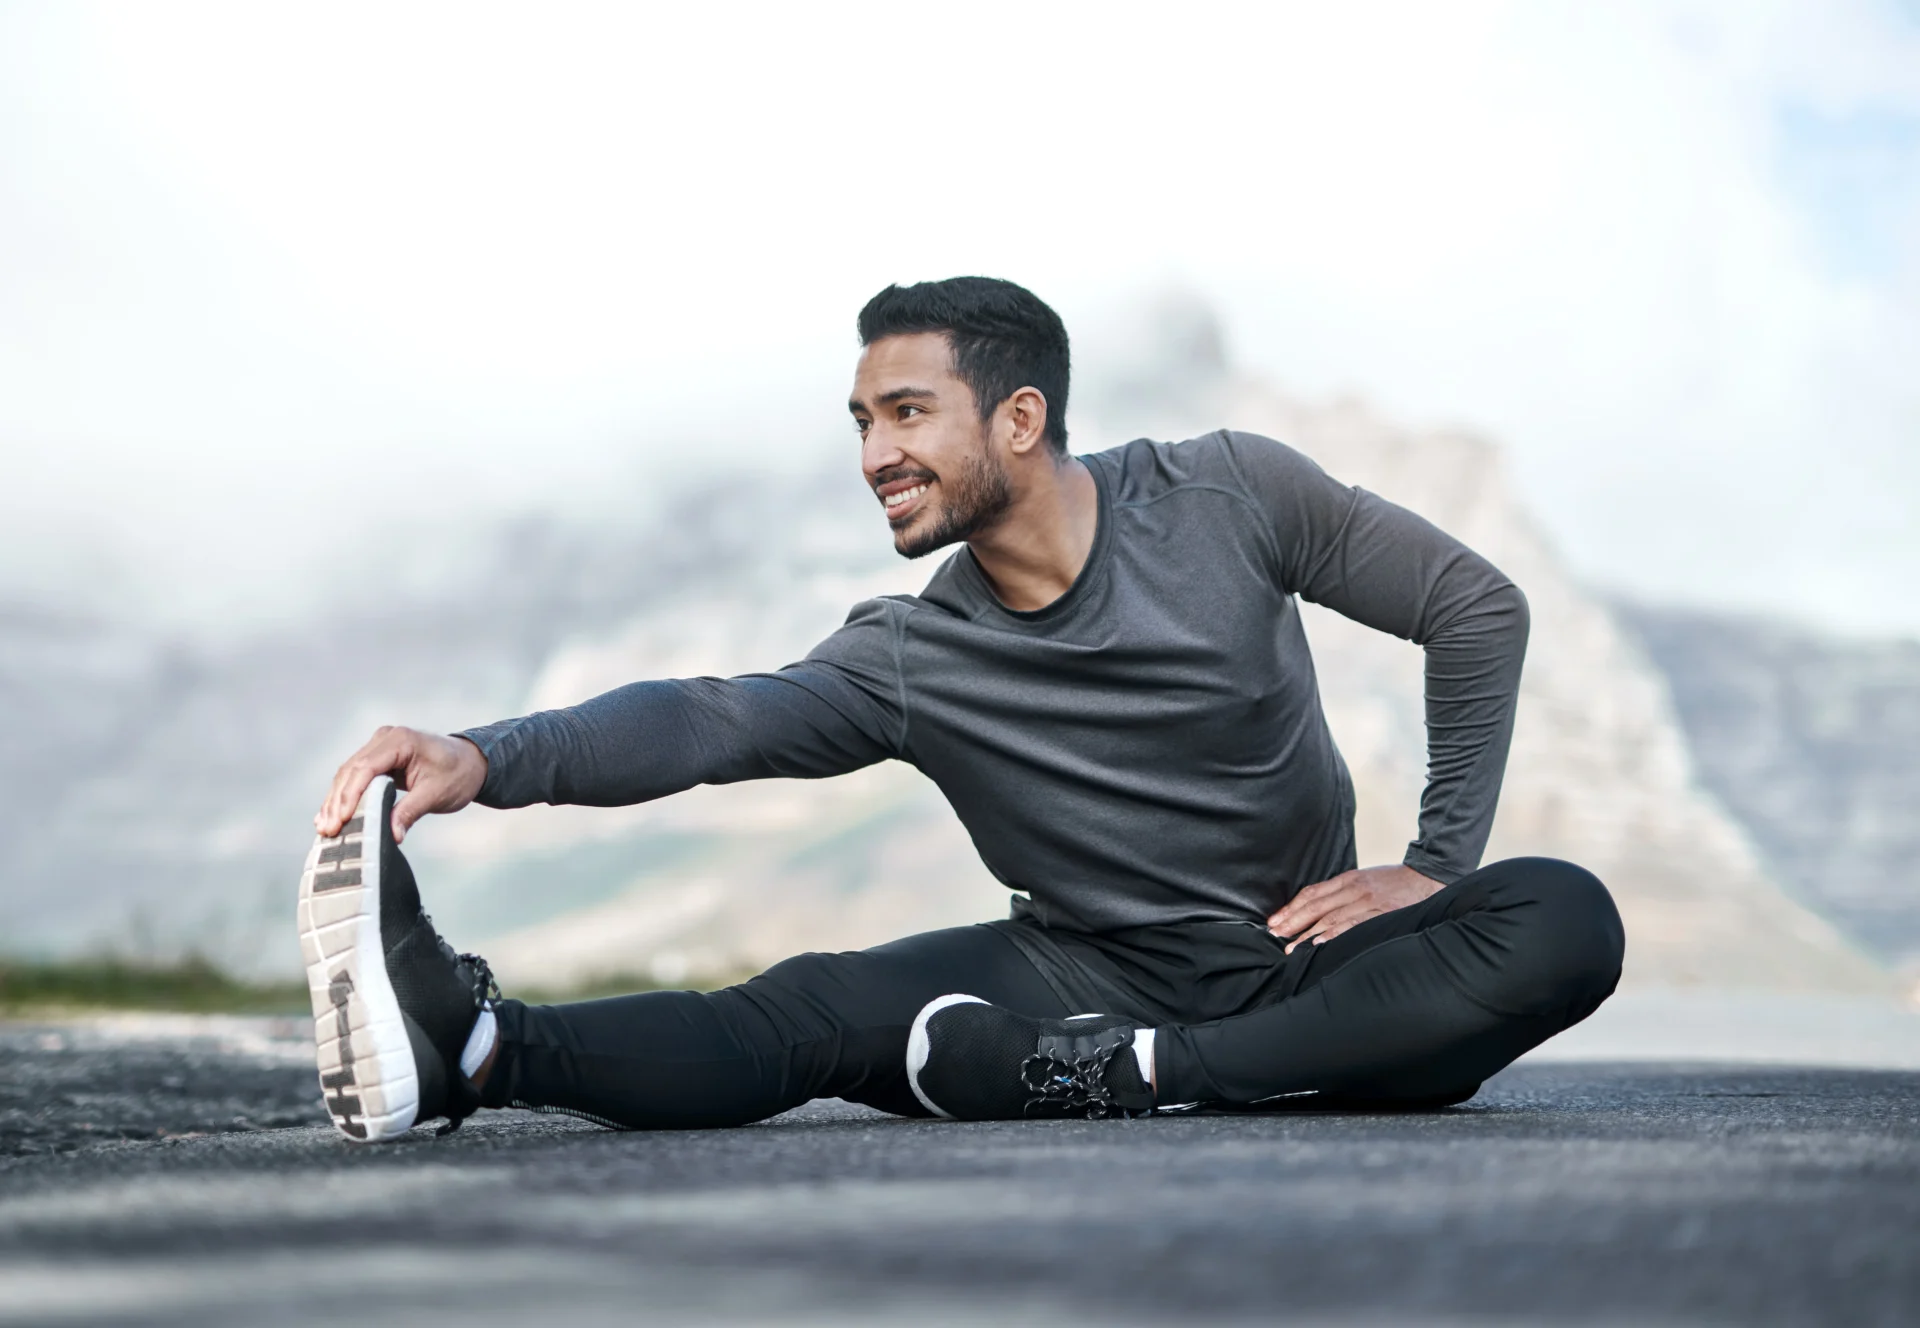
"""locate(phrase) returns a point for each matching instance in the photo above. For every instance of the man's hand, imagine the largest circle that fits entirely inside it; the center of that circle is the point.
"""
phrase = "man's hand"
(439, 774)
(1323, 910)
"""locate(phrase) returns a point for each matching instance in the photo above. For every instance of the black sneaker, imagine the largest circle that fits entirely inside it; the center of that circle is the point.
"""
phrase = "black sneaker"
(393, 1005)
(968, 1060)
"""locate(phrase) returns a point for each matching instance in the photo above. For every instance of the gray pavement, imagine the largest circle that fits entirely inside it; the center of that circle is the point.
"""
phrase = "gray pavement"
(161, 1177)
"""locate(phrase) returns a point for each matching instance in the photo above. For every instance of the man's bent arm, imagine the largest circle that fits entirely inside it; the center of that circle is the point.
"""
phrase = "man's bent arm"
(1384, 566)
(835, 711)
(1473, 663)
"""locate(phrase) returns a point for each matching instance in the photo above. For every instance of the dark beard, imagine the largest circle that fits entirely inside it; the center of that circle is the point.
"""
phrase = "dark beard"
(972, 501)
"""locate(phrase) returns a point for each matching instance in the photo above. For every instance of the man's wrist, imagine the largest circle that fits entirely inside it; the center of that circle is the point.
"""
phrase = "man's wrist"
(473, 757)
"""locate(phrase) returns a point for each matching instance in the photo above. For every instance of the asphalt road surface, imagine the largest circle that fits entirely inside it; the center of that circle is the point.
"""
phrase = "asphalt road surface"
(169, 1179)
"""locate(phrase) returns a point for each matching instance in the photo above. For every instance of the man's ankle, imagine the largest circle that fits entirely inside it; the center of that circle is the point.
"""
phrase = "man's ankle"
(1143, 1040)
(482, 1049)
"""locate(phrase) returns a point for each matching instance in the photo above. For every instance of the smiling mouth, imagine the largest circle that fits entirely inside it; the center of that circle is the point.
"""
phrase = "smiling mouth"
(899, 504)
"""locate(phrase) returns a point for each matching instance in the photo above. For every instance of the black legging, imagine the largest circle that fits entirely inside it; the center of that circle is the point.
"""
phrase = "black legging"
(1414, 1007)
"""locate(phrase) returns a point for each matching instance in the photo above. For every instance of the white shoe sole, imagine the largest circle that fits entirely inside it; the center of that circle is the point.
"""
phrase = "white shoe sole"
(918, 1048)
(367, 1075)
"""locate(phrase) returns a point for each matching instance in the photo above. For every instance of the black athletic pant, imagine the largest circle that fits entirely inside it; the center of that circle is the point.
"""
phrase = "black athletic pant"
(1412, 1008)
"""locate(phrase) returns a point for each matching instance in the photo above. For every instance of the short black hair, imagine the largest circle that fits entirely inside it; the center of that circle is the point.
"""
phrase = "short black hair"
(1004, 338)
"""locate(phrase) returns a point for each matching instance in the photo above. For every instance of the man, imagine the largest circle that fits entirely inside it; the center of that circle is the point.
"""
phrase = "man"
(1110, 684)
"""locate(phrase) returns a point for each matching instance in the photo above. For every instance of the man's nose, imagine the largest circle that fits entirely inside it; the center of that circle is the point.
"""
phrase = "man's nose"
(878, 453)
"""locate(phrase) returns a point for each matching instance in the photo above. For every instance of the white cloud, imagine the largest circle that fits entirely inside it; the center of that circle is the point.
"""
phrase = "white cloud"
(258, 264)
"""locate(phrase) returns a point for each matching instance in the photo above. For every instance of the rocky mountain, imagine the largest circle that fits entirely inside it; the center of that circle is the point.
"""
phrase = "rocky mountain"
(1813, 743)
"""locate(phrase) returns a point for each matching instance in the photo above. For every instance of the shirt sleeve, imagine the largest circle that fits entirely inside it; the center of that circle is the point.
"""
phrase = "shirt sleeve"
(835, 711)
(1379, 564)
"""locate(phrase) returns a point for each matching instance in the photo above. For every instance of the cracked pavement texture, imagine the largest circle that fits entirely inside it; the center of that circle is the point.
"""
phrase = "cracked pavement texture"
(191, 1179)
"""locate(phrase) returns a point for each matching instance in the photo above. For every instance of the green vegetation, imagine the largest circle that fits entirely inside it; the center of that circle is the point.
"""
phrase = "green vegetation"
(197, 986)
(192, 985)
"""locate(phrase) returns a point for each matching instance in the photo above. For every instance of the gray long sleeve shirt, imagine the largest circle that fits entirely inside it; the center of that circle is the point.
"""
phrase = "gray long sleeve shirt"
(1150, 747)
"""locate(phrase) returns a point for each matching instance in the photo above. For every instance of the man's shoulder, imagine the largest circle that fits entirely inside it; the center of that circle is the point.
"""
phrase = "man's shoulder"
(949, 591)
(866, 640)
(881, 612)
(1145, 469)
(955, 589)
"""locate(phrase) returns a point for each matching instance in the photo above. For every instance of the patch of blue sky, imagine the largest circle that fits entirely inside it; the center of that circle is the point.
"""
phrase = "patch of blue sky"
(1855, 176)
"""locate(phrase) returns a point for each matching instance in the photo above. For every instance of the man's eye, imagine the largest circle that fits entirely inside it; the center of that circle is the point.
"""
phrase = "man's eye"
(908, 410)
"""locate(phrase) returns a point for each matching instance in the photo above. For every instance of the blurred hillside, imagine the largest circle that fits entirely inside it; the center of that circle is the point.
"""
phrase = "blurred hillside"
(157, 790)
(1813, 743)
(157, 793)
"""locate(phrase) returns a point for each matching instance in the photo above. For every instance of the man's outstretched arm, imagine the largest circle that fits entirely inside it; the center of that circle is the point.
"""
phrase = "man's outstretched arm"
(835, 711)
(649, 739)
(1384, 566)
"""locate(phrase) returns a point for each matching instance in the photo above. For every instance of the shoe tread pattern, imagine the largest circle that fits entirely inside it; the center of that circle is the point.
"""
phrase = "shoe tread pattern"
(368, 1081)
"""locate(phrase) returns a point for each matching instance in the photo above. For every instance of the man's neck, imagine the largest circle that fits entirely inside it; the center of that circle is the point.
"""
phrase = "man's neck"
(1033, 554)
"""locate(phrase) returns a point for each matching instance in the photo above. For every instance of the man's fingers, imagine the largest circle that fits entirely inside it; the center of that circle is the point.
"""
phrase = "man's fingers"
(341, 798)
(348, 787)
(1309, 903)
(1298, 916)
(412, 805)
(1311, 918)
(1287, 920)
(352, 786)
(383, 753)
(1344, 920)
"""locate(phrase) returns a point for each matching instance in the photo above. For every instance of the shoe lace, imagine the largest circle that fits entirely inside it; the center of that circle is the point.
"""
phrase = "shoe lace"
(485, 988)
(1076, 1085)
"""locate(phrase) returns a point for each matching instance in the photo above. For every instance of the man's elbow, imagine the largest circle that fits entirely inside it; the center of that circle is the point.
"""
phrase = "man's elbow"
(1515, 607)
(1497, 612)
(1495, 625)
(1508, 621)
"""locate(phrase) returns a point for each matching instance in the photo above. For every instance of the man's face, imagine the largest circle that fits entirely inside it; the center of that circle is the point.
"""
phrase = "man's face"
(926, 453)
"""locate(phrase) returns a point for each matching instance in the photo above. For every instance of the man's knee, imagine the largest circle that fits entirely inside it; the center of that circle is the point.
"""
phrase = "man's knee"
(808, 995)
(802, 971)
(1571, 941)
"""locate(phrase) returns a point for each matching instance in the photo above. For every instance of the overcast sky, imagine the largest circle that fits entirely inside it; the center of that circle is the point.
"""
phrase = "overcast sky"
(279, 284)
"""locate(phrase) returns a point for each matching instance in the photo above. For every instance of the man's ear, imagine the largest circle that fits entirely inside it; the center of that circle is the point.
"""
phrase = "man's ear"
(1025, 417)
